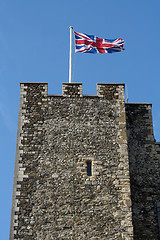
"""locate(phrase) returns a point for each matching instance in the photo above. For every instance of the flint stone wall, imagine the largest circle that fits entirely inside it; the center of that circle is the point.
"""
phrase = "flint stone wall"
(144, 159)
(59, 134)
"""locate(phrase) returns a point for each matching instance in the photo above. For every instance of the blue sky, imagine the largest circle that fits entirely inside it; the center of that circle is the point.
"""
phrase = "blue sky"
(34, 47)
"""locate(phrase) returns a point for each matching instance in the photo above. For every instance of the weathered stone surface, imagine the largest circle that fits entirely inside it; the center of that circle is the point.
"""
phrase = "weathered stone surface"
(53, 198)
(144, 161)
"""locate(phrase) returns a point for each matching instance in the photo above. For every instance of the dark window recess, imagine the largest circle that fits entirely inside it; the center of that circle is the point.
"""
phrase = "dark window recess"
(158, 213)
(89, 168)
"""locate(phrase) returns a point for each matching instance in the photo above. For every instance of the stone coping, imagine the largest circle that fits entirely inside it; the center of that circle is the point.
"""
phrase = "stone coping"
(72, 83)
(138, 104)
(111, 84)
(34, 83)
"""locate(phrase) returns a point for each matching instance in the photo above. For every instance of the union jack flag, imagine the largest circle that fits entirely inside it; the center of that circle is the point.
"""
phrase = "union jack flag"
(92, 44)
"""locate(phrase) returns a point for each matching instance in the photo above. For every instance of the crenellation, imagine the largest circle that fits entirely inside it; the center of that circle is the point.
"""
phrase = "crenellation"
(57, 135)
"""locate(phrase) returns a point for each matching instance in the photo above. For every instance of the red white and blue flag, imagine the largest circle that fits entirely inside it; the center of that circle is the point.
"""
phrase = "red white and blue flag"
(92, 44)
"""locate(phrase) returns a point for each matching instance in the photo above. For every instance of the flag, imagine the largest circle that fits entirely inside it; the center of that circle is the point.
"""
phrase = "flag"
(92, 44)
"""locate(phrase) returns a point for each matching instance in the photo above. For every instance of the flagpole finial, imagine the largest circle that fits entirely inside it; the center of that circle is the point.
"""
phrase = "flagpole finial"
(71, 27)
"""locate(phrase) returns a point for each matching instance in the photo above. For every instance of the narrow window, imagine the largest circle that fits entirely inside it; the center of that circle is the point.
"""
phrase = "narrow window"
(89, 168)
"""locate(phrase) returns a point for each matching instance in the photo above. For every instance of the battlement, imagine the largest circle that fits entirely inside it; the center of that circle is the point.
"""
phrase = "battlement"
(106, 90)
(77, 159)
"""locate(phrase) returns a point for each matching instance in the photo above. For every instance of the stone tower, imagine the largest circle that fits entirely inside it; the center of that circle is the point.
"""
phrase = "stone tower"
(80, 160)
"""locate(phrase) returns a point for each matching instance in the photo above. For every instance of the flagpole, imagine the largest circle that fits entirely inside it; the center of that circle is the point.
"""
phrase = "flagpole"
(70, 56)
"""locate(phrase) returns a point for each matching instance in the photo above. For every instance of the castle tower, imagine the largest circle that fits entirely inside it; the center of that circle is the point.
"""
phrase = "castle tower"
(75, 157)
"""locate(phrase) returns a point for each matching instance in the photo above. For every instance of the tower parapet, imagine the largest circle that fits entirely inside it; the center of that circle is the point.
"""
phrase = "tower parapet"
(72, 172)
